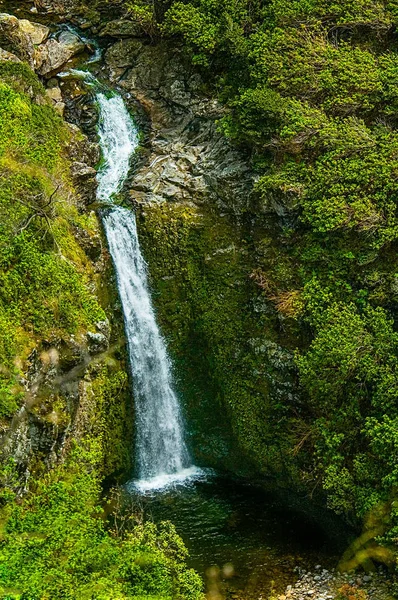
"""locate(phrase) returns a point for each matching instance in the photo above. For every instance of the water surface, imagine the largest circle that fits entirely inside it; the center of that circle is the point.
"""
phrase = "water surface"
(247, 533)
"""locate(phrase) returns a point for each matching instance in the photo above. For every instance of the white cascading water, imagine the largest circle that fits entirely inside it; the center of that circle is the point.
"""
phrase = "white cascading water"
(161, 452)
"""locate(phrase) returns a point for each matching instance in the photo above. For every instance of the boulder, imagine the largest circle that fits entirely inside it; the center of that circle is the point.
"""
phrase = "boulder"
(54, 54)
(54, 93)
(97, 342)
(71, 42)
(37, 32)
(8, 56)
(29, 42)
(13, 38)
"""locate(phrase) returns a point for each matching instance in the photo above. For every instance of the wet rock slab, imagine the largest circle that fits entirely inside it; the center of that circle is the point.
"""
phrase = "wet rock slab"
(190, 159)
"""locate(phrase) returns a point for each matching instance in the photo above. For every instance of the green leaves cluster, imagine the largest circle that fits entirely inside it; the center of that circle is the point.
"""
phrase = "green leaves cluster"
(55, 544)
(42, 290)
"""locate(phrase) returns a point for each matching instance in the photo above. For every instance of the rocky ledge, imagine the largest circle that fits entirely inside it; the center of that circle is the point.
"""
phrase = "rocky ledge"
(189, 160)
(46, 53)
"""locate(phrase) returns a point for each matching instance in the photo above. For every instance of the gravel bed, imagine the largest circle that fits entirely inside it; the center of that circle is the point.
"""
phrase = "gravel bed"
(323, 584)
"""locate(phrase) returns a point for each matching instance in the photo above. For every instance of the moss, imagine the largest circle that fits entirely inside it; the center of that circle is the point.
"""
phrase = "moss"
(110, 417)
(48, 284)
(21, 78)
(200, 268)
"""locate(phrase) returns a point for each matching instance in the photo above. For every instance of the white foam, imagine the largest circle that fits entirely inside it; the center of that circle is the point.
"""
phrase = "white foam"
(167, 480)
(119, 139)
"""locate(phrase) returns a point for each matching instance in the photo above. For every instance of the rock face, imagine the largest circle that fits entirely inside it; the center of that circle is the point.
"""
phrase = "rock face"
(29, 42)
(190, 159)
(54, 54)
(196, 214)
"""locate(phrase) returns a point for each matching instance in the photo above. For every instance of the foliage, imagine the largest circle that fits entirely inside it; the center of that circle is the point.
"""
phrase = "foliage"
(42, 289)
(142, 12)
(310, 90)
(55, 544)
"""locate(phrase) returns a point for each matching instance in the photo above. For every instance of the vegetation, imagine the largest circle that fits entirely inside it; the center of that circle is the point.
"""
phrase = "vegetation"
(311, 90)
(44, 274)
(302, 296)
(56, 543)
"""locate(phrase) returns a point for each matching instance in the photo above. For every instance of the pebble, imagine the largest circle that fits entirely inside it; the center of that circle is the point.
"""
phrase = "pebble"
(324, 584)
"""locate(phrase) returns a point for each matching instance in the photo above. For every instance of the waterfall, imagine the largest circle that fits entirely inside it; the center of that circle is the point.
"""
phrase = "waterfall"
(161, 453)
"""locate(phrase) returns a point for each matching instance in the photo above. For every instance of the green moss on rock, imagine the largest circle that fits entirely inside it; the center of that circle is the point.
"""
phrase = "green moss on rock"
(200, 268)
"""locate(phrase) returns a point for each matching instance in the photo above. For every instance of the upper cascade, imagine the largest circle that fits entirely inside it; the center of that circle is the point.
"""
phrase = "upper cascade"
(118, 139)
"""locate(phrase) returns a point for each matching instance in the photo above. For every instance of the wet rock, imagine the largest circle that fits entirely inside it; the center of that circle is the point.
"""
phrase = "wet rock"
(37, 32)
(54, 94)
(54, 54)
(71, 42)
(60, 7)
(84, 156)
(124, 54)
(92, 246)
(121, 29)
(29, 42)
(104, 327)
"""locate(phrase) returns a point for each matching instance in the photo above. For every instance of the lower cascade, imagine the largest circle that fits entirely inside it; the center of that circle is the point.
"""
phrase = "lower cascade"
(161, 453)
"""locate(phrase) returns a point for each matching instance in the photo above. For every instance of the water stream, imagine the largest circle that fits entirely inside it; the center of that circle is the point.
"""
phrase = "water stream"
(162, 456)
(222, 521)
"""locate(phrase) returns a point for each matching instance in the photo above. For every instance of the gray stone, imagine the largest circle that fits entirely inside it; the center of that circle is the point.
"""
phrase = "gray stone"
(8, 56)
(97, 342)
(122, 29)
(190, 160)
(85, 178)
(104, 327)
(71, 42)
(54, 54)
(37, 32)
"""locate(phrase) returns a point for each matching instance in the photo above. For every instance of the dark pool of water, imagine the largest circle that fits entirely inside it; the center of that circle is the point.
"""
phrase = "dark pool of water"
(228, 522)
